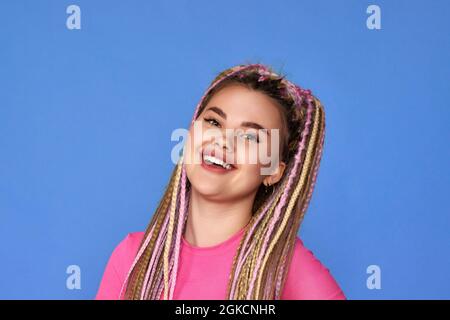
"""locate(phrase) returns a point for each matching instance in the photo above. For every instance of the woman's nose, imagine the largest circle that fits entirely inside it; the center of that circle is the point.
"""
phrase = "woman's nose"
(225, 143)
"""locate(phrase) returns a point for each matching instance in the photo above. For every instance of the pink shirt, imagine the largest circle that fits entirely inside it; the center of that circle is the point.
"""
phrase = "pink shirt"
(204, 271)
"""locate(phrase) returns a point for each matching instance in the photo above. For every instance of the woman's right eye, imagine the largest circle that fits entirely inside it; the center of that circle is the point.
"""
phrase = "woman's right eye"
(212, 121)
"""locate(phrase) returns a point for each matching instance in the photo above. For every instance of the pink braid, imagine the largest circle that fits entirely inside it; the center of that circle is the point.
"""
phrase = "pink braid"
(180, 226)
(159, 243)
(283, 197)
(139, 254)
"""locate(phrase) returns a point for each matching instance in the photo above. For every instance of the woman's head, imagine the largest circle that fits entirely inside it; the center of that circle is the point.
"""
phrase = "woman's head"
(244, 93)
(229, 118)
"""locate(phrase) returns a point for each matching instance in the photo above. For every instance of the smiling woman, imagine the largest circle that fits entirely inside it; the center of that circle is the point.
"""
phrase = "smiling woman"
(218, 232)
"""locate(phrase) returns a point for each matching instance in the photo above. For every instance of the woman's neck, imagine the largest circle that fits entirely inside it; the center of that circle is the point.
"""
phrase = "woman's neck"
(211, 222)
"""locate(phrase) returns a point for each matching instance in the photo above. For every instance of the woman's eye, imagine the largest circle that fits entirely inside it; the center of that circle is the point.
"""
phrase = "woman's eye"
(212, 121)
(252, 137)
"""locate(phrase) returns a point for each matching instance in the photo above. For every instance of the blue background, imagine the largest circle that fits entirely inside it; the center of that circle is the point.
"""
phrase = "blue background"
(86, 118)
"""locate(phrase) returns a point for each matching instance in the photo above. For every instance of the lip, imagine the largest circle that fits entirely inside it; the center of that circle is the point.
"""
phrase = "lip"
(214, 168)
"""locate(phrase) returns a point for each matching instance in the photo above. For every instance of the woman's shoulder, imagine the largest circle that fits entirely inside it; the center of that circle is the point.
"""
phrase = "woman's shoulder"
(127, 248)
(118, 265)
(132, 240)
(125, 252)
(308, 278)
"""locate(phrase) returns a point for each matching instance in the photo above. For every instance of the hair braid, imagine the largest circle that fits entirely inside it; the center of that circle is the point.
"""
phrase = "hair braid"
(260, 265)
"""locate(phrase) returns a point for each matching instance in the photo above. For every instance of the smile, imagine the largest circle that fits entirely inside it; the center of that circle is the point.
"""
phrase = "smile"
(213, 160)
(214, 164)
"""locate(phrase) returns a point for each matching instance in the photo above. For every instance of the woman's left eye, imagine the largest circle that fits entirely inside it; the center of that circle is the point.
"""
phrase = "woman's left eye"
(252, 137)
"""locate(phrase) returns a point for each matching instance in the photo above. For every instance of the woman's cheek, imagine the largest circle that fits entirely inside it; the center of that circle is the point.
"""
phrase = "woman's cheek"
(251, 174)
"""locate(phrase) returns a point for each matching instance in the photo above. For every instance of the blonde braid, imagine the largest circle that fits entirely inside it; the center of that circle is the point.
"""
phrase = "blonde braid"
(168, 243)
(295, 194)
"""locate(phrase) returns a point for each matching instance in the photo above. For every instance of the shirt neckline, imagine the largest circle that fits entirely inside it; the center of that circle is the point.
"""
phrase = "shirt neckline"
(214, 249)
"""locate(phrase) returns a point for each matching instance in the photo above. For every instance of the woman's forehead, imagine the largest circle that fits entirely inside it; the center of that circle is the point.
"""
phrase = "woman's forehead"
(237, 103)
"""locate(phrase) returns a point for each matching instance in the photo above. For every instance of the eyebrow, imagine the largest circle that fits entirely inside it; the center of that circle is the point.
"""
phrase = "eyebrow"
(247, 124)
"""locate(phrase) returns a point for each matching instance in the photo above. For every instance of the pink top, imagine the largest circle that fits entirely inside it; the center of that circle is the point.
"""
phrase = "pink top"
(204, 271)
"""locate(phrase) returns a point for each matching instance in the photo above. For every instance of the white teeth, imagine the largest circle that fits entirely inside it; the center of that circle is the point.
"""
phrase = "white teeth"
(211, 159)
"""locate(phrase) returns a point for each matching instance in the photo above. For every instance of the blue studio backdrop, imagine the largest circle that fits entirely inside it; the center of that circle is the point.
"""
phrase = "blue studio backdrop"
(91, 91)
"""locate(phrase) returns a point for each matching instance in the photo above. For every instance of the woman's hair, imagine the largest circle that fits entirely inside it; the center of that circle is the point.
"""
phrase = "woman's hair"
(261, 262)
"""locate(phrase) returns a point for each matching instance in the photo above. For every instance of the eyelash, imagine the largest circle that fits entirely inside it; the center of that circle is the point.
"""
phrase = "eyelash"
(255, 138)
(211, 119)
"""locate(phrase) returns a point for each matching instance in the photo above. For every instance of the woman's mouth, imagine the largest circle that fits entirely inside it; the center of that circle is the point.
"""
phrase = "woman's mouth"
(215, 164)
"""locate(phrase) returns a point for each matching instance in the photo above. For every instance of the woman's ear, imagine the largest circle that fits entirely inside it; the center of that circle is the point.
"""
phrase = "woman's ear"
(278, 174)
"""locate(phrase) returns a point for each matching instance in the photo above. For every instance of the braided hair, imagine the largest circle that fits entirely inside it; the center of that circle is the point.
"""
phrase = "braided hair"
(260, 264)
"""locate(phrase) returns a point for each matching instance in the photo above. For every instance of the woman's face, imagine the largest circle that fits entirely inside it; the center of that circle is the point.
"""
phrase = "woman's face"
(222, 130)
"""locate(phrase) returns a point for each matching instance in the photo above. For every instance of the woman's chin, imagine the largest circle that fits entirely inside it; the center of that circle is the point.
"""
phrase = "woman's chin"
(209, 190)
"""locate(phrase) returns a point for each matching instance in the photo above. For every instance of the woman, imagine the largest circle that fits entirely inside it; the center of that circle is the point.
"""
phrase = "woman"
(227, 229)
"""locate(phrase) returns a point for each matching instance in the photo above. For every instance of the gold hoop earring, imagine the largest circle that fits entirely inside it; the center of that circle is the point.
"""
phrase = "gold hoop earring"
(269, 185)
